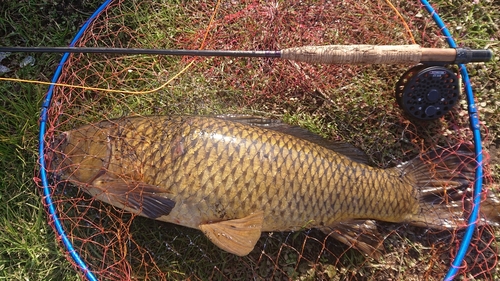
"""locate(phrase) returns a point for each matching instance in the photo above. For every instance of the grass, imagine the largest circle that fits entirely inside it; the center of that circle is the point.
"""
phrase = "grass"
(338, 104)
(29, 250)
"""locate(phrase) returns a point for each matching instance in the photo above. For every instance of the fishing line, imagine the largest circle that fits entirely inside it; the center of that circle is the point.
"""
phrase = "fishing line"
(407, 28)
(102, 89)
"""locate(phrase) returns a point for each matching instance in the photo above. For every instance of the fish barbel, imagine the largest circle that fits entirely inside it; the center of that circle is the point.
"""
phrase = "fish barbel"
(233, 177)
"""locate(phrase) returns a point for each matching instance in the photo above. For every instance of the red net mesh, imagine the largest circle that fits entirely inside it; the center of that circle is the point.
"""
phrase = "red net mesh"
(355, 104)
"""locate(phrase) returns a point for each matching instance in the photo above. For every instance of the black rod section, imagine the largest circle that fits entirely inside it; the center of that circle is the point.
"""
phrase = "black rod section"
(169, 52)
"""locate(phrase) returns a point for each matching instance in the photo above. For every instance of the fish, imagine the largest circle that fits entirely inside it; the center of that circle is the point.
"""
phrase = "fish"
(234, 177)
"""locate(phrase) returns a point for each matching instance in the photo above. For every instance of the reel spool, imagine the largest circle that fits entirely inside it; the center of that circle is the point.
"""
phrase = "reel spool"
(427, 92)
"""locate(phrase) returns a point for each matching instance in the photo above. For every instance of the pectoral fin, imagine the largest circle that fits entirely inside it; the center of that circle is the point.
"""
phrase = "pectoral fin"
(147, 200)
(237, 236)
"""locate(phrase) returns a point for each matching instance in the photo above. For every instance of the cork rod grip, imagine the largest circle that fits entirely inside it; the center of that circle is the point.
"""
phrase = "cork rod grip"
(368, 54)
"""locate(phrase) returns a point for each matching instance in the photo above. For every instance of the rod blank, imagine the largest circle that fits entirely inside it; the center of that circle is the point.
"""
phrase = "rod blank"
(136, 51)
(329, 54)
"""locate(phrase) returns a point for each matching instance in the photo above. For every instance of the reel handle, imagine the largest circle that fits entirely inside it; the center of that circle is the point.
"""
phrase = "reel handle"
(384, 54)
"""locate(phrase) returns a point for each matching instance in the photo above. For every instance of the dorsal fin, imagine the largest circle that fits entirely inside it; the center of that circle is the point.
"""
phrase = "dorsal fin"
(276, 125)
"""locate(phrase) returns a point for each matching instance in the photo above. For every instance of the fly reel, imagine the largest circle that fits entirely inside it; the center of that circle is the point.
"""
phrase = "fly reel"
(427, 92)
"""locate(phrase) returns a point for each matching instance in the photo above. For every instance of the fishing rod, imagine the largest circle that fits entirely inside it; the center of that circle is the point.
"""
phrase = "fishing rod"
(412, 91)
(328, 54)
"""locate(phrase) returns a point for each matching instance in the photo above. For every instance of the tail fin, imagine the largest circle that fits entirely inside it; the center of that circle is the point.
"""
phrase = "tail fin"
(444, 180)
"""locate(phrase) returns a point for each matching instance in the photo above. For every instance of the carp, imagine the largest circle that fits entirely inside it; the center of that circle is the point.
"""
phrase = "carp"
(234, 177)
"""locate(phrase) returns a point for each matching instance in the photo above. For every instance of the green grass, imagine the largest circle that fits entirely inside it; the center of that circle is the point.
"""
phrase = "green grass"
(28, 247)
(28, 250)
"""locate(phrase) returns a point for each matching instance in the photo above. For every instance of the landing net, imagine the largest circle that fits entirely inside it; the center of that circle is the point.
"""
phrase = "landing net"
(354, 104)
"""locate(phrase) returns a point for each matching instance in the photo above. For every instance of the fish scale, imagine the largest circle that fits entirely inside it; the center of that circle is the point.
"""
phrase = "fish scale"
(232, 178)
(258, 184)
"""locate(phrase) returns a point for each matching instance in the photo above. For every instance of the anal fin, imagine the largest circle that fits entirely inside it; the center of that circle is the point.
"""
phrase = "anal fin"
(359, 234)
(237, 236)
